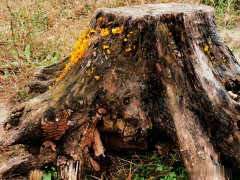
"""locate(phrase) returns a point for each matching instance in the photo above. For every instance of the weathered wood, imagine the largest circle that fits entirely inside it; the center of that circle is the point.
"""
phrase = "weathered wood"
(45, 77)
(144, 68)
(68, 168)
(21, 165)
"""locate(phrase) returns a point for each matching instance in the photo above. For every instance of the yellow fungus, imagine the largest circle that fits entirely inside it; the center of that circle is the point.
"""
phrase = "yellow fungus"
(92, 70)
(97, 77)
(92, 31)
(104, 32)
(84, 33)
(100, 19)
(128, 49)
(108, 51)
(80, 49)
(117, 30)
(105, 46)
(206, 49)
(125, 39)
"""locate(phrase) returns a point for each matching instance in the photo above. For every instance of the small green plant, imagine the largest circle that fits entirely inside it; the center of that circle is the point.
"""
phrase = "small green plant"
(158, 167)
(234, 49)
(27, 53)
(50, 173)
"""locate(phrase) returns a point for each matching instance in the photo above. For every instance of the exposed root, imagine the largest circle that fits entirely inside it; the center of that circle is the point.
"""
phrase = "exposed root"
(97, 144)
(35, 174)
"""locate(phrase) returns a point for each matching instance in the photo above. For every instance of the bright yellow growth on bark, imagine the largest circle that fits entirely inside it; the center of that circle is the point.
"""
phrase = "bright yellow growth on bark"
(80, 49)
(108, 51)
(100, 19)
(92, 32)
(128, 49)
(117, 30)
(105, 46)
(97, 77)
(206, 49)
(105, 32)
(208, 52)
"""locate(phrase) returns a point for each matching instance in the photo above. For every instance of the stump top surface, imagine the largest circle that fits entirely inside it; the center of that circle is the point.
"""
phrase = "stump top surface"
(157, 9)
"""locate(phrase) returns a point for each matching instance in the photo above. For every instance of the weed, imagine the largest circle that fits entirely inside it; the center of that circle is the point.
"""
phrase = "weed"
(50, 173)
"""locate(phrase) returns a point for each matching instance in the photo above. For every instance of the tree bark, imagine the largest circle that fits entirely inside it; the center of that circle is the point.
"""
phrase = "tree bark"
(147, 68)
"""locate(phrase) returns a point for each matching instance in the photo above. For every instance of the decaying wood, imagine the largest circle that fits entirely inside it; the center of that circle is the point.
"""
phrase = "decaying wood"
(160, 68)
(54, 129)
(97, 144)
(35, 174)
(21, 165)
(45, 77)
(68, 168)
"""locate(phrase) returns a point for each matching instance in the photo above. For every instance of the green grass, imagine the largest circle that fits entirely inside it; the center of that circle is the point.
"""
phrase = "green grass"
(156, 167)
(227, 12)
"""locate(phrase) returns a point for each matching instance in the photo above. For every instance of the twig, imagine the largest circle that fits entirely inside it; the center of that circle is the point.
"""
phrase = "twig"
(94, 177)
(121, 159)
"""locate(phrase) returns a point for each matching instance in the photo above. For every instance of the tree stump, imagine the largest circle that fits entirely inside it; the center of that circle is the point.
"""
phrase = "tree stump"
(137, 71)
